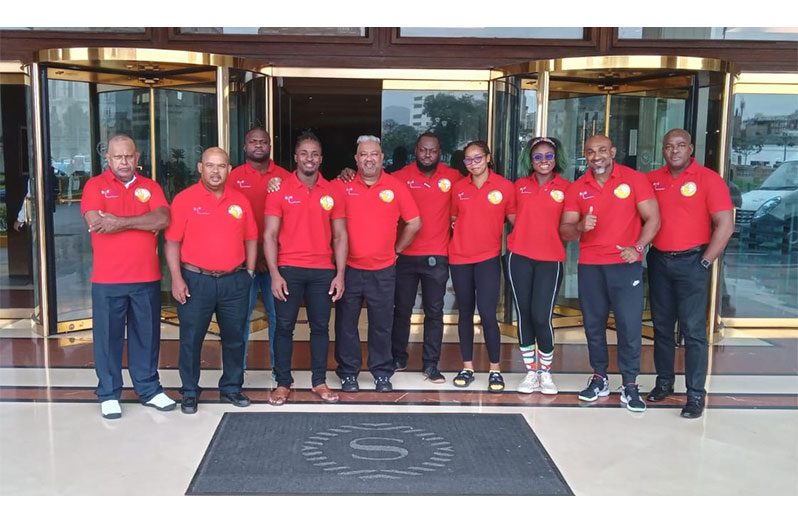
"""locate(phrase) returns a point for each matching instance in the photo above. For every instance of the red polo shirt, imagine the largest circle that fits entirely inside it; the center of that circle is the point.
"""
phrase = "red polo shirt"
(129, 256)
(480, 214)
(615, 207)
(212, 230)
(536, 233)
(305, 238)
(686, 205)
(372, 215)
(432, 195)
(254, 185)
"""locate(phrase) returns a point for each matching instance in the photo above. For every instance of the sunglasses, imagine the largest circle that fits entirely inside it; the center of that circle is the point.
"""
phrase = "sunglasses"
(540, 157)
(474, 159)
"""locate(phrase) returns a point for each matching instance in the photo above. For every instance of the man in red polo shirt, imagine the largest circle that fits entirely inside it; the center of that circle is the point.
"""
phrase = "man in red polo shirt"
(213, 237)
(374, 203)
(697, 223)
(426, 258)
(305, 230)
(252, 179)
(604, 209)
(123, 210)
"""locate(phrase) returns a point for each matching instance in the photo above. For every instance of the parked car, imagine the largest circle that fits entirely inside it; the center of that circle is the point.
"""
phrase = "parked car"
(768, 215)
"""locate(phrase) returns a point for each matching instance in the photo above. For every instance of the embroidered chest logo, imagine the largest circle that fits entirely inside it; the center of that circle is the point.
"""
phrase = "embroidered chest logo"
(291, 200)
(387, 195)
(242, 184)
(412, 184)
(327, 202)
(524, 190)
(142, 195)
(235, 211)
(585, 195)
(350, 191)
(495, 197)
(200, 211)
(658, 186)
(557, 196)
(445, 185)
(622, 191)
(688, 189)
(463, 196)
(108, 193)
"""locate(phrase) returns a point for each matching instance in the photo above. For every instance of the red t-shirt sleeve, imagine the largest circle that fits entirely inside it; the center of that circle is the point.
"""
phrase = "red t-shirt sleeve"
(718, 196)
(643, 188)
(177, 226)
(158, 199)
(572, 199)
(407, 205)
(339, 202)
(509, 193)
(251, 226)
(274, 204)
(91, 199)
(454, 208)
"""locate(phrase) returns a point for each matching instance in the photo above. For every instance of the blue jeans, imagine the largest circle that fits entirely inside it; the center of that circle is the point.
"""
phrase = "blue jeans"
(263, 283)
(137, 305)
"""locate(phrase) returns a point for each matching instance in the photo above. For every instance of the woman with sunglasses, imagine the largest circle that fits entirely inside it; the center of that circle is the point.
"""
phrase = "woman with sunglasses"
(535, 256)
(480, 204)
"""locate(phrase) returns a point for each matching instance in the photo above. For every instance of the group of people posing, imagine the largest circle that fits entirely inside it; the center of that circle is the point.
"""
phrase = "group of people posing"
(374, 236)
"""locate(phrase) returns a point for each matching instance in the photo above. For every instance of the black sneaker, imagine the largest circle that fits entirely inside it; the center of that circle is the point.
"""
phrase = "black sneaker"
(432, 374)
(399, 365)
(349, 384)
(693, 409)
(597, 387)
(661, 390)
(464, 378)
(239, 399)
(383, 384)
(188, 405)
(631, 397)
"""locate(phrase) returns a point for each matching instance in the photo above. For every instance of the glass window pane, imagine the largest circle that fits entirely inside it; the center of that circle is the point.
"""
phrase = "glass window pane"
(302, 31)
(708, 33)
(575, 33)
(760, 266)
(247, 109)
(79, 29)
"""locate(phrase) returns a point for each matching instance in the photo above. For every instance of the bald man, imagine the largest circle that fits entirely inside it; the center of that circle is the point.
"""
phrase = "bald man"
(211, 250)
(697, 222)
(122, 210)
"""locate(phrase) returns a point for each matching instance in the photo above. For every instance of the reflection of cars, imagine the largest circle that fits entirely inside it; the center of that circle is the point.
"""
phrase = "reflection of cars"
(768, 214)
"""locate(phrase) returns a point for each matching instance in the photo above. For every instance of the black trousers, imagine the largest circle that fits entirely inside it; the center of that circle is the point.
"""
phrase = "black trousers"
(377, 288)
(433, 273)
(137, 305)
(313, 285)
(679, 289)
(228, 297)
(477, 285)
(535, 286)
(618, 287)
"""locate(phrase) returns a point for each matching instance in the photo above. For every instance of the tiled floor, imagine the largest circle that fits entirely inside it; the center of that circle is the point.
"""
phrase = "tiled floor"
(53, 440)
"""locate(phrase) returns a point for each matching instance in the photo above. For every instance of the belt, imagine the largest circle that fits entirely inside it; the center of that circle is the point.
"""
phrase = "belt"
(677, 254)
(215, 274)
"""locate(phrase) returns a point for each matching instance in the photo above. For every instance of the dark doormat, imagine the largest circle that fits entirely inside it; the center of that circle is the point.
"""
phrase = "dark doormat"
(390, 454)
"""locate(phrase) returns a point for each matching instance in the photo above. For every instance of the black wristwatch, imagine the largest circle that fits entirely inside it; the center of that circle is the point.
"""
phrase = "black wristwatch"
(706, 263)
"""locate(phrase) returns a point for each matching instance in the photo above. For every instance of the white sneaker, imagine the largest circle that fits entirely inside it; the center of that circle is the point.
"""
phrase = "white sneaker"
(111, 409)
(547, 385)
(161, 402)
(530, 383)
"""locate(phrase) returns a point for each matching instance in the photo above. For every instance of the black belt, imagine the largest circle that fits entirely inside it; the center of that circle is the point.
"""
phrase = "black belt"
(677, 254)
(215, 274)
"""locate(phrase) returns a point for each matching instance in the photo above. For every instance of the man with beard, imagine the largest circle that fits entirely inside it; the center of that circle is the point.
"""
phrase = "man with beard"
(425, 259)
(211, 240)
(697, 222)
(604, 209)
(123, 210)
(305, 230)
(375, 201)
(252, 180)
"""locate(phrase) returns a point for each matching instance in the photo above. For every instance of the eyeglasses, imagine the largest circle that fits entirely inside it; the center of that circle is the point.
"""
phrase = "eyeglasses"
(474, 159)
(540, 157)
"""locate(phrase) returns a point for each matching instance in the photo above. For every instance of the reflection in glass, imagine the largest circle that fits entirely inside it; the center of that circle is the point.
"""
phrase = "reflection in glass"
(247, 109)
(79, 29)
(708, 33)
(761, 267)
(571, 33)
(302, 31)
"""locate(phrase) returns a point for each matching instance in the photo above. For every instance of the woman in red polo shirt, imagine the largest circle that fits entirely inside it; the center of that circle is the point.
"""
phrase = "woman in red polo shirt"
(535, 256)
(480, 204)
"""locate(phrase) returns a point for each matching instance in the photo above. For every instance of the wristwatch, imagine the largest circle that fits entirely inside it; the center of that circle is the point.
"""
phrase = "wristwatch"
(705, 263)
(639, 248)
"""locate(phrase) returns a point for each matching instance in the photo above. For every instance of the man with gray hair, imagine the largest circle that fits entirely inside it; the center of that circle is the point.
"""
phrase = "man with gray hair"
(374, 203)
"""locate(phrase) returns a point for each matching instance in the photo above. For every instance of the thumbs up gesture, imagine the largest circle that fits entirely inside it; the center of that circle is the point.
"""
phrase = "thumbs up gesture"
(589, 221)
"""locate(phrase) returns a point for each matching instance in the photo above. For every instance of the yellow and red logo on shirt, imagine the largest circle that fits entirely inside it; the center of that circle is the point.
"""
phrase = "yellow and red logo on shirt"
(327, 202)
(495, 197)
(688, 189)
(235, 211)
(622, 191)
(444, 184)
(386, 195)
(142, 195)
(557, 196)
